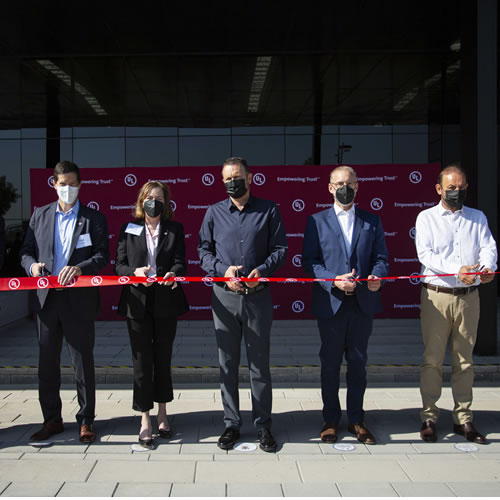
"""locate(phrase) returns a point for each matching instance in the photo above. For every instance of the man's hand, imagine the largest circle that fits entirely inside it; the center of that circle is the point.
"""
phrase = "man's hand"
(143, 273)
(255, 273)
(173, 284)
(486, 276)
(346, 284)
(467, 279)
(373, 283)
(232, 272)
(37, 269)
(67, 274)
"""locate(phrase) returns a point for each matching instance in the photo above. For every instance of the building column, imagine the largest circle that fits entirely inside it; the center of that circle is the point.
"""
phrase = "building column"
(479, 145)
(53, 124)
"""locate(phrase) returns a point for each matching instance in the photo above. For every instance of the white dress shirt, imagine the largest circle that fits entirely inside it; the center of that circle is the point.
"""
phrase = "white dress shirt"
(152, 244)
(346, 221)
(446, 241)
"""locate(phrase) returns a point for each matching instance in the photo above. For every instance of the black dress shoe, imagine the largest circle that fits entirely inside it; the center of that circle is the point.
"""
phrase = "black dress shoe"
(428, 431)
(470, 433)
(266, 440)
(165, 433)
(228, 439)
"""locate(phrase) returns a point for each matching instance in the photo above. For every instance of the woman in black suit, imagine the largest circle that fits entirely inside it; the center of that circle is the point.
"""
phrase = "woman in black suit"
(152, 245)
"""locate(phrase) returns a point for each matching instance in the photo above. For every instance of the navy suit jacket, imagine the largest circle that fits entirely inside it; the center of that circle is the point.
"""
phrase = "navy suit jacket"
(324, 256)
(39, 247)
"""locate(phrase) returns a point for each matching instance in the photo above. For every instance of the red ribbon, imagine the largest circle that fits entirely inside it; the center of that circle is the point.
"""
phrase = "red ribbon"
(7, 284)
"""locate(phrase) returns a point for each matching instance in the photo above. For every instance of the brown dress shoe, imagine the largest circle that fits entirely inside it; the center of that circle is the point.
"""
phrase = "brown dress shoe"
(329, 433)
(49, 428)
(428, 431)
(87, 434)
(362, 433)
(470, 433)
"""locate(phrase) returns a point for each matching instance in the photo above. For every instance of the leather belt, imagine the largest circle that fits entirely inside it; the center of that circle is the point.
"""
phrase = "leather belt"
(243, 291)
(451, 291)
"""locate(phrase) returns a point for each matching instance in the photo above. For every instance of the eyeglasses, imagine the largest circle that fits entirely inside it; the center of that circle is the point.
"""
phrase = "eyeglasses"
(338, 185)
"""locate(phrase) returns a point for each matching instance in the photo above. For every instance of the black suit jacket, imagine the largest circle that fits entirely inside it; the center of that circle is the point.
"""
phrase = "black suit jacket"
(132, 253)
(39, 247)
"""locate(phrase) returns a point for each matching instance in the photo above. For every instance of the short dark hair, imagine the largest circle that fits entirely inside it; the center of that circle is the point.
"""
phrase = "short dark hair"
(66, 167)
(236, 160)
(452, 167)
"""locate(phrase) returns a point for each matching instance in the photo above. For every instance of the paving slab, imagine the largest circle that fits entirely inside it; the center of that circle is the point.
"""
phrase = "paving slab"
(310, 490)
(154, 472)
(422, 489)
(366, 489)
(29, 489)
(39, 470)
(165, 457)
(356, 471)
(475, 488)
(144, 490)
(82, 489)
(450, 470)
(254, 490)
(259, 472)
(198, 490)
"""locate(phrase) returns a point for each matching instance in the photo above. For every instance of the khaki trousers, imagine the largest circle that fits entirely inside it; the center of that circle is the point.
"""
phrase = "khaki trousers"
(446, 317)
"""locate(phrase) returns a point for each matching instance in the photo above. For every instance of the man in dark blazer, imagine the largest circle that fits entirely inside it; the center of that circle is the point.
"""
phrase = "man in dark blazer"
(343, 243)
(66, 239)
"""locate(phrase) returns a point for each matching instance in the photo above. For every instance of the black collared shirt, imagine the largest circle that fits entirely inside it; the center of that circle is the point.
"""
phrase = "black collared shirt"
(252, 238)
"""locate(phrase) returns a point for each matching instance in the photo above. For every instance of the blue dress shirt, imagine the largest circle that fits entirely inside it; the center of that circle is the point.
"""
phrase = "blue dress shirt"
(63, 235)
(253, 238)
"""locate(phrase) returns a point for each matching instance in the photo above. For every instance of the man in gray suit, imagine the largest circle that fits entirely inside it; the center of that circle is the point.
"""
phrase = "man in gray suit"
(66, 239)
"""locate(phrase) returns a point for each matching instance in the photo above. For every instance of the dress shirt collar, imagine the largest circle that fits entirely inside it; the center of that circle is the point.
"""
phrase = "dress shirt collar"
(232, 207)
(72, 211)
(340, 211)
(446, 211)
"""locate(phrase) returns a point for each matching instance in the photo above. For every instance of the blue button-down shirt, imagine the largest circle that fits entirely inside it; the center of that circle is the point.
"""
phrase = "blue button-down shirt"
(63, 235)
(253, 238)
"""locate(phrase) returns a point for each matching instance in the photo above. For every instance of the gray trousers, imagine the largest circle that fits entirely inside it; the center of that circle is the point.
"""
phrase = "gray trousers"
(250, 317)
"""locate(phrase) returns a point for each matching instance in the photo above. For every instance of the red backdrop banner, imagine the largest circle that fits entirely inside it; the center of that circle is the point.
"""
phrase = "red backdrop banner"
(395, 192)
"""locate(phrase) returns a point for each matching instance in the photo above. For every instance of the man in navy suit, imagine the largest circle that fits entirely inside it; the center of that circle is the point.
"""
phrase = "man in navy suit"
(66, 239)
(344, 243)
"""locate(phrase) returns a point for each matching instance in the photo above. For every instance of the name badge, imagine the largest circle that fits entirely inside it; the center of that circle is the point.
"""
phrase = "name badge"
(134, 229)
(84, 241)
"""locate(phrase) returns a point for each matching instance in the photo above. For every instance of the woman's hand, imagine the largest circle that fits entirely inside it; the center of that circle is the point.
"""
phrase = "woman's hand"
(142, 272)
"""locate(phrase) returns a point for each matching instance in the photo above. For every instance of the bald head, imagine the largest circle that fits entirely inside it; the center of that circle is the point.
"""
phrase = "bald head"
(344, 168)
(453, 168)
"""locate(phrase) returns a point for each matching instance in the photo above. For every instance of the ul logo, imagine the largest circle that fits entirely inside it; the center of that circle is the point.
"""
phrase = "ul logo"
(94, 205)
(414, 281)
(298, 306)
(96, 281)
(415, 177)
(376, 204)
(412, 233)
(173, 205)
(259, 179)
(130, 180)
(42, 283)
(298, 205)
(50, 181)
(72, 282)
(14, 284)
(123, 279)
(207, 179)
(297, 260)
(208, 280)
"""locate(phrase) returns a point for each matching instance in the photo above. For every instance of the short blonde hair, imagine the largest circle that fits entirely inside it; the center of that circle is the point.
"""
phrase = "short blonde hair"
(143, 193)
(344, 167)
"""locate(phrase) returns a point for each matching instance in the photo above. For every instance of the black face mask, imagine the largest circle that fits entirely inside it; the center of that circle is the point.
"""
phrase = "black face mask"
(153, 208)
(345, 195)
(455, 198)
(236, 188)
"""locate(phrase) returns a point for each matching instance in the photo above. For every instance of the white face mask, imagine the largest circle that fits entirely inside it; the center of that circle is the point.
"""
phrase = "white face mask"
(67, 194)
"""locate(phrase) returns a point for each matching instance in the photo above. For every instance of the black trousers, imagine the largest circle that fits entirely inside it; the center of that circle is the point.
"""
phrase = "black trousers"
(55, 321)
(151, 341)
(248, 316)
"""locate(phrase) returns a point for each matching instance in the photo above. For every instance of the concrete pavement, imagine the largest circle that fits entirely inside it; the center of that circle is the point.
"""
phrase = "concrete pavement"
(191, 464)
